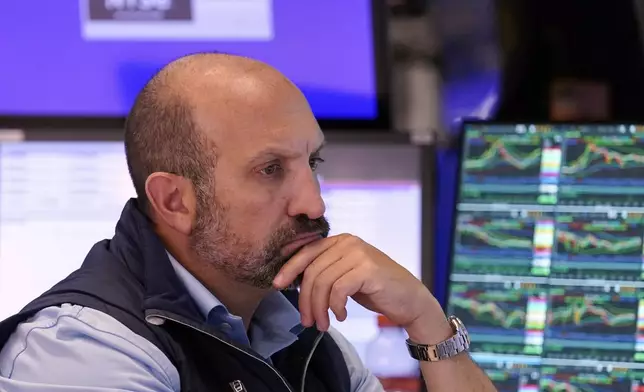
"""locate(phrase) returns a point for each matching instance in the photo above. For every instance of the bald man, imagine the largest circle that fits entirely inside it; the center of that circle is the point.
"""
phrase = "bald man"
(194, 291)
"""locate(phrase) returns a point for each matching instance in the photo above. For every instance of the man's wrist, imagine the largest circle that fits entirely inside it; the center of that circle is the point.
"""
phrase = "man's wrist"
(430, 329)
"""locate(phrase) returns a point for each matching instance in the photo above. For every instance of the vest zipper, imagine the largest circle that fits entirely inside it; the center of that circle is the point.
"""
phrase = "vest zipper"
(308, 359)
(162, 316)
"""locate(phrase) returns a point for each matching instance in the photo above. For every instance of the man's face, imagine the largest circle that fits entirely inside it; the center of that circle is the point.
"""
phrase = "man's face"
(263, 202)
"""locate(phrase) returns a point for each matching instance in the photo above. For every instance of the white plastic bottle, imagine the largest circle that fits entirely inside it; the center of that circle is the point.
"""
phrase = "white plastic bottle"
(387, 357)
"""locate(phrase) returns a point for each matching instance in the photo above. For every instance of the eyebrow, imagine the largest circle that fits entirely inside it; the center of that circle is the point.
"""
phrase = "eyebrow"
(319, 149)
(284, 153)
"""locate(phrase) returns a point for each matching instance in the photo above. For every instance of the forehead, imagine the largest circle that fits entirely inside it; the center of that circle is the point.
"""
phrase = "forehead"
(285, 139)
(255, 120)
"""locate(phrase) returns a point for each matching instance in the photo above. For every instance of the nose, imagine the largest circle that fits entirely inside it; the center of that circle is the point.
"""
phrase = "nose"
(307, 198)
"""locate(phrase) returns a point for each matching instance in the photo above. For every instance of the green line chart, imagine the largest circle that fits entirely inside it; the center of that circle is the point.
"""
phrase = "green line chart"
(591, 316)
(592, 160)
(605, 243)
(512, 237)
(501, 157)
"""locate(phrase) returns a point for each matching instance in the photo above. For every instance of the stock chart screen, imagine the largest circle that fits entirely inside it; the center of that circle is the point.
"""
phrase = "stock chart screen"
(547, 263)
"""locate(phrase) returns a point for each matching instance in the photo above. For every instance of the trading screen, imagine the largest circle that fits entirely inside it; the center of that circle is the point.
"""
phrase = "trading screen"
(547, 266)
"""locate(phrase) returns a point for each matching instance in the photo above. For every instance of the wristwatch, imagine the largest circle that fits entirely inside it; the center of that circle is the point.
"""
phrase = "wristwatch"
(448, 348)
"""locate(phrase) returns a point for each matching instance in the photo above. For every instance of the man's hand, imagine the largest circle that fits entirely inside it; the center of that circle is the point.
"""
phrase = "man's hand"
(343, 266)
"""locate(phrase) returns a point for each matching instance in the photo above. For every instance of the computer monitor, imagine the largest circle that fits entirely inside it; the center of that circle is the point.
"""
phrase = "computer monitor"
(59, 198)
(89, 58)
(547, 265)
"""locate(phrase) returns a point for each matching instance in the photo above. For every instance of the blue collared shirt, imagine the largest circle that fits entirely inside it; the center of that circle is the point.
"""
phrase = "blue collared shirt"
(72, 348)
(275, 325)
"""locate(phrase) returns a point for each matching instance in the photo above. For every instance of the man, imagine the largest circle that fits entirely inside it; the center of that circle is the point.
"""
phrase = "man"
(191, 292)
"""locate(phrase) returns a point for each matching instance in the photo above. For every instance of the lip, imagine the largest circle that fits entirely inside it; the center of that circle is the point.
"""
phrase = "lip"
(299, 242)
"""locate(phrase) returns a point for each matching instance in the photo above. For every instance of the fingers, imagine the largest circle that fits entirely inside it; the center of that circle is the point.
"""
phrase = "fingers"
(335, 295)
(343, 288)
(331, 273)
(302, 259)
(320, 287)
(325, 262)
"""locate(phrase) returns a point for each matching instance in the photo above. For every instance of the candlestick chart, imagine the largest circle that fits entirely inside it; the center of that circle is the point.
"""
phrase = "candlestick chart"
(603, 171)
(575, 242)
(503, 168)
(484, 235)
(588, 379)
(499, 158)
(483, 307)
(592, 316)
(585, 326)
(589, 162)
(592, 322)
(512, 377)
(598, 247)
(494, 243)
(499, 315)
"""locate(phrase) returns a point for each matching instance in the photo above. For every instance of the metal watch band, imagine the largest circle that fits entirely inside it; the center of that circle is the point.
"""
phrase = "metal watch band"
(448, 348)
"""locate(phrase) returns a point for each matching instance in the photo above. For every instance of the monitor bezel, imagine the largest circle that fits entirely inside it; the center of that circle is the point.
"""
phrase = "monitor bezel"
(381, 123)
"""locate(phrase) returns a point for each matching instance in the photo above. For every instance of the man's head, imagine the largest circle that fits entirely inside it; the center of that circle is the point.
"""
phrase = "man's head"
(222, 152)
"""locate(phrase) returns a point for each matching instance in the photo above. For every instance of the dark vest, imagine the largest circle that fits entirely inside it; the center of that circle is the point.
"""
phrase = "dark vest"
(131, 278)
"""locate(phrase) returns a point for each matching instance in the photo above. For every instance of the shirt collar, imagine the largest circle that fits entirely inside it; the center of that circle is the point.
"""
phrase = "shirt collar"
(275, 315)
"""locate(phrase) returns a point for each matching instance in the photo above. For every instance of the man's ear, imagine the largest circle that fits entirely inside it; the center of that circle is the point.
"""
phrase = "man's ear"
(172, 200)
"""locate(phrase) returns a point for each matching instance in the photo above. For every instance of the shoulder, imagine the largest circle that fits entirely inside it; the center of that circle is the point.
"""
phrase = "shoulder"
(83, 347)
(362, 380)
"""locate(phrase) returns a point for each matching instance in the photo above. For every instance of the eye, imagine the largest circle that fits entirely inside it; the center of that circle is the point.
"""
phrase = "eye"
(314, 162)
(271, 170)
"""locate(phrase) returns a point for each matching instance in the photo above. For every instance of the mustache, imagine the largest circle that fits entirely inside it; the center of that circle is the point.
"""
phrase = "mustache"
(304, 225)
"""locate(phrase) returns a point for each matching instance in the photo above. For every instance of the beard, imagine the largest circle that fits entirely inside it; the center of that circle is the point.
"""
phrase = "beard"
(254, 264)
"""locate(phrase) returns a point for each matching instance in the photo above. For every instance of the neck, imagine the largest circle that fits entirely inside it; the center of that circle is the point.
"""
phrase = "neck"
(240, 299)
